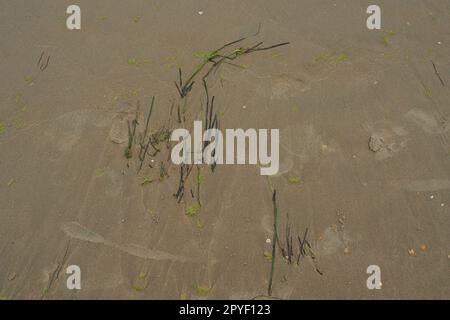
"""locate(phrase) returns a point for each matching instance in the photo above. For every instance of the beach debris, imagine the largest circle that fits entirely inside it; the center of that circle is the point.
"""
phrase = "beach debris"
(275, 238)
(294, 180)
(185, 171)
(146, 180)
(376, 143)
(138, 288)
(436, 72)
(442, 204)
(43, 61)
(387, 37)
(200, 12)
(29, 80)
(423, 247)
(431, 197)
(268, 241)
(201, 291)
(10, 182)
(12, 276)
(132, 61)
(340, 58)
(354, 156)
(307, 251)
(411, 252)
(193, 210)
(289, 251)
(215, 58)
(131, 134)
(162, 171)
(184, 296)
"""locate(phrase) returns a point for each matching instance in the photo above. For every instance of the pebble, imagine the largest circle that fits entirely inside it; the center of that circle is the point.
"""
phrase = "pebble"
(375, 143)
(431, 197)
(268, 240)
(200, 12)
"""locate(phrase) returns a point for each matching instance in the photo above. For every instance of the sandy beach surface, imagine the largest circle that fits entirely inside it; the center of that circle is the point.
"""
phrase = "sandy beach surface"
(364, 175)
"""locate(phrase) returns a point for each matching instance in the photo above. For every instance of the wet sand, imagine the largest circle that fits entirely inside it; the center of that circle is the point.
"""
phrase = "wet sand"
(364, 133)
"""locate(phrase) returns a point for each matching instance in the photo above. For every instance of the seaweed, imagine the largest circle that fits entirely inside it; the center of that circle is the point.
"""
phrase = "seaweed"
(274, 241)
(215, 58)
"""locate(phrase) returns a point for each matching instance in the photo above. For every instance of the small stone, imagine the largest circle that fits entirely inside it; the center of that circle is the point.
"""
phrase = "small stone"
(244, 107)
(268, 240)
(423, 247)
(431, 197)
(354, 156)
(123, 220)
(200, 12)
(442, 204)
(376, 143)
(346, 250)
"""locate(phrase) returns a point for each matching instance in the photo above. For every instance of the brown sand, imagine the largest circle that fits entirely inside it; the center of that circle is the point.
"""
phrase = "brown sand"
(68, 197)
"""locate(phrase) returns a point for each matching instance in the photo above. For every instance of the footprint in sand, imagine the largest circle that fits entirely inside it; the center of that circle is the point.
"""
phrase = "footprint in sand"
(77, 231)
(67, 129)
(426, 121)
(387, 141)
(332, 240)
(119, 130)
(423, 185)
(285, 87)
(303, 142)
